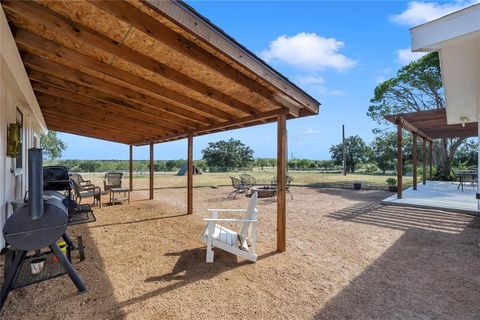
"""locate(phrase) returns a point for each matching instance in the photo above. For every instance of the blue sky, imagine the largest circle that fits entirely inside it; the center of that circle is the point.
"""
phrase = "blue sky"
(336, 51)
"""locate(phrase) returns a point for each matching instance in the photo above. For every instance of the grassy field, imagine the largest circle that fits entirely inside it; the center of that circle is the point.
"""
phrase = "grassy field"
(301, 178)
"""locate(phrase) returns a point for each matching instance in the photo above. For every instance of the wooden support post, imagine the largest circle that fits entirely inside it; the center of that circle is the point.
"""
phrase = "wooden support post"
(281, 179)
(130, 169)
(431, 161)
(424, 162)
(399, 160)
(190, 175)
(415, 162)
(151, 170)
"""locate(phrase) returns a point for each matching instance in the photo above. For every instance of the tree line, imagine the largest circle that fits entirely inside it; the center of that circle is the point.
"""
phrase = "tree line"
(416, 87)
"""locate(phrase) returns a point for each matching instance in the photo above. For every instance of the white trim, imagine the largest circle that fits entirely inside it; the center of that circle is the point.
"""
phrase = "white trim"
(458, 26)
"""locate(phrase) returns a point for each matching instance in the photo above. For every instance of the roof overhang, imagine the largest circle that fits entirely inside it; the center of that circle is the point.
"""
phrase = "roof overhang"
(144, 71)
(457, 39)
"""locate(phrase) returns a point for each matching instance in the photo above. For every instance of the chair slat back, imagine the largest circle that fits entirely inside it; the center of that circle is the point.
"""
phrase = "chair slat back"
(246, 227)
(114, 178)
(248, 180)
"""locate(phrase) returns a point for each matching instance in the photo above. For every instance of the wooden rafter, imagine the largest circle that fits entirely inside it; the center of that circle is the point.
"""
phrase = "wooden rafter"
(432, 124)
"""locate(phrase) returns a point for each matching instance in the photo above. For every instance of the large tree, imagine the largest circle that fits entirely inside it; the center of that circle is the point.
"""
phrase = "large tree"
(52, 145)
(357, 151)
(227, 155)
(417, 86)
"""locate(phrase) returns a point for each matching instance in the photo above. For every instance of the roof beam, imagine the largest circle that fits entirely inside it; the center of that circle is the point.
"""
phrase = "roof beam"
(149, 121)
(219, 127)
(56, 119)
(410, 127)
(29, 41)
(74, 109)
(76, 76)
(71, 29)
(57, 124)
(172, 121)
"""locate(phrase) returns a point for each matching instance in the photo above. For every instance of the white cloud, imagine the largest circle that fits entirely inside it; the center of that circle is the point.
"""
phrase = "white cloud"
(405, 56)
(315, 85)
(308, 51)
(420, 12)
(310, 131)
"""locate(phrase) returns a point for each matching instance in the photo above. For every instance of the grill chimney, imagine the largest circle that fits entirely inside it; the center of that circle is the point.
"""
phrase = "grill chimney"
(35, 183)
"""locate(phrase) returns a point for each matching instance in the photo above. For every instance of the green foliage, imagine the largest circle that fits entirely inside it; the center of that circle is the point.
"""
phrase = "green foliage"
(384, 150)
(391, 181)
(356, 152)
(228, 155)
(90, 166)
(52, 145)
(417, 86)
(467, 155)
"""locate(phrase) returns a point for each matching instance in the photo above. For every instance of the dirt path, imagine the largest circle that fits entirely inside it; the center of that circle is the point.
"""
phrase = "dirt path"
(347, 258)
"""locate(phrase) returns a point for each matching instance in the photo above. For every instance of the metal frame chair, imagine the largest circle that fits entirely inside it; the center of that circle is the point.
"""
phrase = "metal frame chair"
(112, 180)
(238, 187)
(86, 191)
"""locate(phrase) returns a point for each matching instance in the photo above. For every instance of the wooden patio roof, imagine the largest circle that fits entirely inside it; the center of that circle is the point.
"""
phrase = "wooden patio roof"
(432, 124)
(144, 71)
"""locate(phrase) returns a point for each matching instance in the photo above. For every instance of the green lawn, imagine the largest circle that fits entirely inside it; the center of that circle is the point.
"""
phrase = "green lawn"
(303, 178)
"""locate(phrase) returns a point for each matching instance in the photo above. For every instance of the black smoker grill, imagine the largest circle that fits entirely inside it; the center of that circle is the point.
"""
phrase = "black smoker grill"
(55, 178)
(37, 224)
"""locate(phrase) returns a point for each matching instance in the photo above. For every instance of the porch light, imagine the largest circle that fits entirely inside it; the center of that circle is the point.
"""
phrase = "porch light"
(464, 120)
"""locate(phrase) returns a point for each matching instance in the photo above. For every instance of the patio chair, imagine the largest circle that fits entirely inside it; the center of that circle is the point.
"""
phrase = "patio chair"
(243, 243)
(248, 181)
(288, 182)
(79, 179)
(112, 180)
(238, 187)
(85, 191)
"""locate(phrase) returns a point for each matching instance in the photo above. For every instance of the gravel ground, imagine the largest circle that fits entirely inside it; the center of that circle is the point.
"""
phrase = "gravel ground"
(348, 257)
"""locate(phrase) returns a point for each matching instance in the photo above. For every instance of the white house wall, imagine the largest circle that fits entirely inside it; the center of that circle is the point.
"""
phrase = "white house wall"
(460, 65)
(15, 92)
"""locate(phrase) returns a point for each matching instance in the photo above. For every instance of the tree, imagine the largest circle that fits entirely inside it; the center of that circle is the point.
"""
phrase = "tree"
(417, 86)
(52, 145)
(261, 163)
(356, 152)
(467, 154)
(90, 166)
(384, 150)
(227, 155)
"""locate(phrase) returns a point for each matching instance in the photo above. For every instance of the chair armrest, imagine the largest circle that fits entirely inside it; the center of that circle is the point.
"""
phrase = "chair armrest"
(227, 210)
(228, 220)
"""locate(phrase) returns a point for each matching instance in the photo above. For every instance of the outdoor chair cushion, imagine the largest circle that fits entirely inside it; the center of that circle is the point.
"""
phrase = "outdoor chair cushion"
(222, 234)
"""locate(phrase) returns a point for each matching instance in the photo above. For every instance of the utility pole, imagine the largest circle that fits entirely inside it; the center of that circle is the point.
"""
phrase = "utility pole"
(344, 151)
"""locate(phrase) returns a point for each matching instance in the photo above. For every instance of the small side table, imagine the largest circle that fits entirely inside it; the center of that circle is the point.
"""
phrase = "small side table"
(119, 195)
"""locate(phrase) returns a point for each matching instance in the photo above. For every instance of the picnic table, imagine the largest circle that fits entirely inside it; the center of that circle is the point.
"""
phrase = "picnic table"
(467, 176)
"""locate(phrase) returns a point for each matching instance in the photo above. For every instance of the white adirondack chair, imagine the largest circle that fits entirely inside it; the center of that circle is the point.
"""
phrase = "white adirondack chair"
(243, 243)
